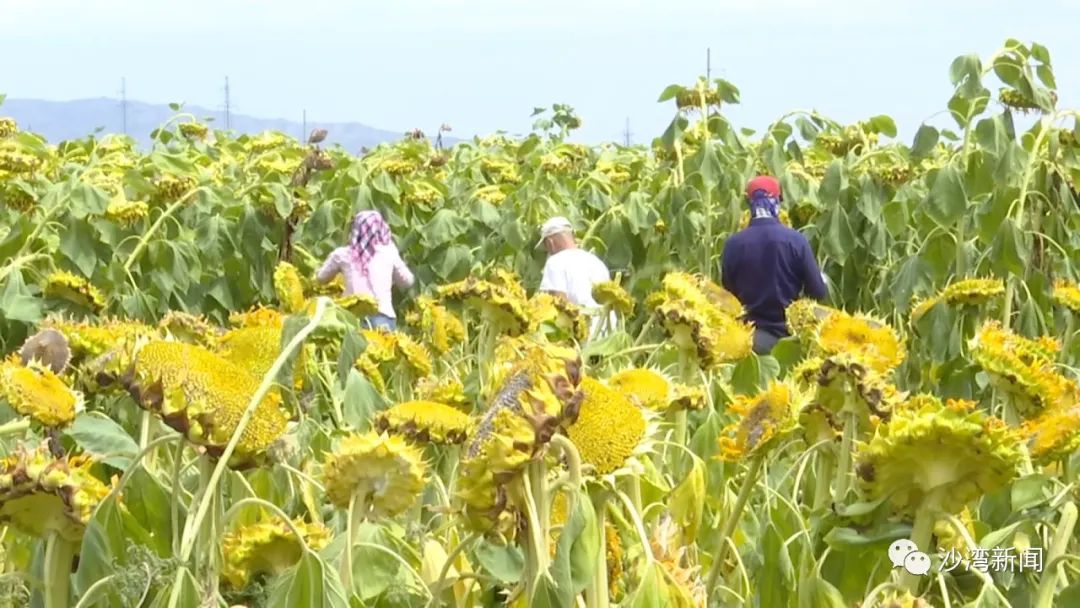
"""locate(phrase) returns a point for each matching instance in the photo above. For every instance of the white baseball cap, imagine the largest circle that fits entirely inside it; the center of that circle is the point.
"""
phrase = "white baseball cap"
(555, 225)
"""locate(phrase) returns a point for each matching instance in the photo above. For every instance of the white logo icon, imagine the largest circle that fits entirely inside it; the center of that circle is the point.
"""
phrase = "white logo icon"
(899, 550)
(917, 563)
(904, 554)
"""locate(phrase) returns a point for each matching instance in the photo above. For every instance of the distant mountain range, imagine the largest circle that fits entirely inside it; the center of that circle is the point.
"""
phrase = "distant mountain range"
(62, 120)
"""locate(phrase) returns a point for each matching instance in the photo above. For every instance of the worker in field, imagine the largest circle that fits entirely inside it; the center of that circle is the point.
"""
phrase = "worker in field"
(570, 271)
(768, 265)
(371, 265)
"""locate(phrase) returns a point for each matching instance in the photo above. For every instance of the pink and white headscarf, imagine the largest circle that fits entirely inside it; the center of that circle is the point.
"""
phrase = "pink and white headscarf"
(369, 230)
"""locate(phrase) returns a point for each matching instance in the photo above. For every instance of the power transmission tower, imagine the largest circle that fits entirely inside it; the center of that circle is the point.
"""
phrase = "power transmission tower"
(303, 129)
(228, 117)
(627, 134)
(708, 64)
(123, 103)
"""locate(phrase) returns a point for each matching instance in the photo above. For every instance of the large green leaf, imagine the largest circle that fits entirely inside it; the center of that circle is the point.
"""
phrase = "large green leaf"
(947, 200)
(103, 438)
(311, 583)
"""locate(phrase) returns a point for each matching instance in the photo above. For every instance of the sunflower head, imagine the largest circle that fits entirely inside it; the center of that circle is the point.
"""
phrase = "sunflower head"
(75, 289)
(425, 422)
(922, 307)
(972, 291)
(203, 396)
(186, 327)
(267, 548)
(558, 315)
(871, 340)
(950, 454)
(40, 493)
(257, 317)
(289, 288)
(1066, 295)
(804, 316)
(646, 387)
(449, 391)
(255, 349)
(442, 328)
(1054, 435)
(713, 337)
(383, 473)
(762, 419)
(1020, 367)
(687, 397)
(126, 213)
(612, 295)
(49, 348)
(360, 306)
(413, 354)
(609, 428)
(34, 390)
(498, 306)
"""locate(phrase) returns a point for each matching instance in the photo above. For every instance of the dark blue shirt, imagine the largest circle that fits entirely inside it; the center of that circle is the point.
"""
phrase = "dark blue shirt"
(767, 266)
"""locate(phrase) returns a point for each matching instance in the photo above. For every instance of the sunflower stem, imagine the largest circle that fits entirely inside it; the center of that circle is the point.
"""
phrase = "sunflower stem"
(14, 427)
(843, 463)
(357, 508)
(145, 240)
(596, 594)
(732, 521)
(536, 557)
(921, 534)
(824, 470)
(1058, 547)
(58, 555)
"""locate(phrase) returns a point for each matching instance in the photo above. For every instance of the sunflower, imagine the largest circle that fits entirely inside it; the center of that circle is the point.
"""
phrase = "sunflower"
(1021, 367)
(186, 327)
(381, 344)
(843, 382)
(613, 549)
(442, 328)
(413, 354)
(49, 348)
(611, 294)
(450, 391)
(646, 387)
(713, 337)
(762, 418)
(870, 340)
(77, 290)
(34, 390)
(972, 292)
(360, 306)
(1054, 435)
(370, 369)
(382, 472)
(957, 453)
(255, 349)
(269, 547)
(256, 317)
(744, 219)
(203, 396)
(804, 316)
(126, 213)
(922, 307)
(498, 306)
(90, 340)
(686, 589)
(1066, 295)
(685, 397)
(609, 428)
(289, 288)
(425, 422)
(948, 538)
(565, 317)
(8, 127)
(40, 493)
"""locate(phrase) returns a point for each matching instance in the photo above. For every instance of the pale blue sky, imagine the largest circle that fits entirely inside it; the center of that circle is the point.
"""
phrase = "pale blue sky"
(482, 65)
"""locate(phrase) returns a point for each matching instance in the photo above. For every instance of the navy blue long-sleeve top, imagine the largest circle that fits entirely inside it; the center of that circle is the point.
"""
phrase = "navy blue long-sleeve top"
(767, 266)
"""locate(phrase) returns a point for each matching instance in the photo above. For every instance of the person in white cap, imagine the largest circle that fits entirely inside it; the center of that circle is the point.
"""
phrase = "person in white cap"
(570, 271)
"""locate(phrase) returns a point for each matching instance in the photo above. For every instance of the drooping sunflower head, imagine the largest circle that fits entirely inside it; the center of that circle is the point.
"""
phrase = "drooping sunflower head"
(687, 397)
(186, 327)
(557, 317)
(922, 307)
(1020, 367)
(762, 419)
(381, 344)
(203, 396)
(609, 429)
(1066, 295)
(1054, 435)
(804, 316)
(126, 213)
(41, 494)
(382, 473)
(713, 337)
(66, 286)
(611, 294)
(972, 291)
(34, 390)
(256, 317)
(289, 288)
(508, 280)
(877, 344)
(947, 454)
(646, 387)
(267, 548)
(497, 305)
(450, 391)
(425, 422)
(442, 328)
(93, 340)
(413, 354)
(359, 305)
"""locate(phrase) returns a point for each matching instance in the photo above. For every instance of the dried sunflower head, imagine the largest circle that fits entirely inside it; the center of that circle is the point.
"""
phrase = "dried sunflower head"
(558, 316)
(609, 429)
(384, 473)
(762, 419)
(109, 338)
(289, 288)
(648, 388)
(450, 391)
(49, 348)
(203, 396)
(425, 422)
(952, 454)
(1054, 435)
(77, 290)
(34, 390)
(267, 548)
(868, 339)
(41, 494)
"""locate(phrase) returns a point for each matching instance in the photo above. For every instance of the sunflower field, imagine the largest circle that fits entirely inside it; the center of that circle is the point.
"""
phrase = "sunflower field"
(187, 419)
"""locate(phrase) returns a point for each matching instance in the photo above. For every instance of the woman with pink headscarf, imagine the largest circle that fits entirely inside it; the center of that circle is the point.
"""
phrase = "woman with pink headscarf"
(371, 265)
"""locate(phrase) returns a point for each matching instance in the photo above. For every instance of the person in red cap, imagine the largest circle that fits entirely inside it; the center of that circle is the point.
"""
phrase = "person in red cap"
(767, 265)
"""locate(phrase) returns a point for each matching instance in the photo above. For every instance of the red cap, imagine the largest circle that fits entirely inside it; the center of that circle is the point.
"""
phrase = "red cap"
(769, 184)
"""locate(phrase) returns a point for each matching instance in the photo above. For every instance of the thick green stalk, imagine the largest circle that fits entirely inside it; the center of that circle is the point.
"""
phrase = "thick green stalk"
(145, 240)
(732, 521)
(921, 534)
(824, 469)
(1058, 548)
(14, 427)
(356, 516)
(597, 594)
(58, 555)
(843, 463)
(537, 558)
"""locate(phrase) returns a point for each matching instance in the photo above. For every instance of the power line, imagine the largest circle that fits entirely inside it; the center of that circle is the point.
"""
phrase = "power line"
(123, 104)
(228, 117)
